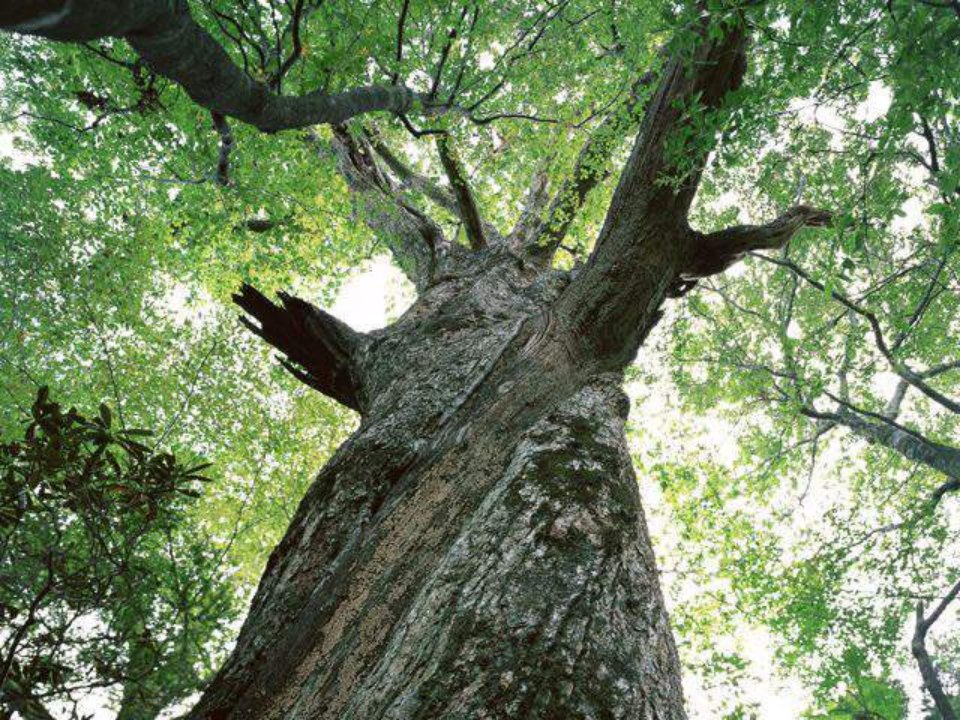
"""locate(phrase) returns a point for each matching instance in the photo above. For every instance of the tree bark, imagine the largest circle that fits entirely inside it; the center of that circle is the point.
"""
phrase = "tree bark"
(477, 549)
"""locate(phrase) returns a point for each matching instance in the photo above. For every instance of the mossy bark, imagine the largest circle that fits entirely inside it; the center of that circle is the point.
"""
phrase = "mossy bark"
(477, 549)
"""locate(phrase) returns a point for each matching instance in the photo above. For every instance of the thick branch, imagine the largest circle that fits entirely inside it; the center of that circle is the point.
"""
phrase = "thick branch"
(589, 170)
(614, 301)
(415, 240)
(226, 145)
(466, 203)
(928, 671)
(527, 227)
(172, 43)
(713, 253)
(321, 350)
(894, 436)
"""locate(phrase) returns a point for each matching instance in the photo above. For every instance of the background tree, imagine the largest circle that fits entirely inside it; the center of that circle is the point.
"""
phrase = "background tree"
(101, 590)
(834, 361)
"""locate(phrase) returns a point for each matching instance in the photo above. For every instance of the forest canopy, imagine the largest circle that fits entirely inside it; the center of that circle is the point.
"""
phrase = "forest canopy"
(794, 397)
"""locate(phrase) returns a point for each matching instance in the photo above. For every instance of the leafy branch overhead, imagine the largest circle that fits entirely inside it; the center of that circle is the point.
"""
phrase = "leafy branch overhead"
(89, 522)
(170, 41)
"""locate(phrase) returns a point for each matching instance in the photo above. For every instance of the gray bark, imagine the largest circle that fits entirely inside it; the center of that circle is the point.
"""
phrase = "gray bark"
(477, 549)
(913, 446)
(883, 430)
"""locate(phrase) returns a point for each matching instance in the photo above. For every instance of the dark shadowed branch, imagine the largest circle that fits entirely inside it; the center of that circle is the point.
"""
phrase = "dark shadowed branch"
(928, 671)
(712, 253)
(466, 203)
(409, 177)
(171, 42)
(226, 146)
(320, 350)
(414, 239)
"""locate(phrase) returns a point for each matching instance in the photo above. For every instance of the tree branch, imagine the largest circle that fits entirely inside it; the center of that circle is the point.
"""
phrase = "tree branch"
(527, 226)
(171, 42)
(14, 697)
(614, 301)
(416, 241)
(912, 445)
(928, 671)
(713, 253)
(296, 52)
(466, 203)
(321, 350)
(410, 177)
(899, 367)
(226, 145)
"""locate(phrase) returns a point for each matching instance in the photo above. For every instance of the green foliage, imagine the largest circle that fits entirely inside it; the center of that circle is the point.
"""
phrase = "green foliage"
(119, 249)
(822, 535)
(867, 698)
(101, 587)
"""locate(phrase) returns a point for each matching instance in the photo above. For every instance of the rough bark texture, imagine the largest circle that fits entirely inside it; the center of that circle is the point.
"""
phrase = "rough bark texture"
(477, 548)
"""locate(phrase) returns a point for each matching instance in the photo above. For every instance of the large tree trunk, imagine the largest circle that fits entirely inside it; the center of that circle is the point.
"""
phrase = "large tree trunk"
(477, 548)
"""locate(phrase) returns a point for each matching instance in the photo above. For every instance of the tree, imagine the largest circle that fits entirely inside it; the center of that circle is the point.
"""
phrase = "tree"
(477, 545)
(100, 589)
(836, 361)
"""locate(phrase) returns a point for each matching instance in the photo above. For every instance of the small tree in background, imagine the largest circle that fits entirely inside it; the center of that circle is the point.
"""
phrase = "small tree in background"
(101, 589)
